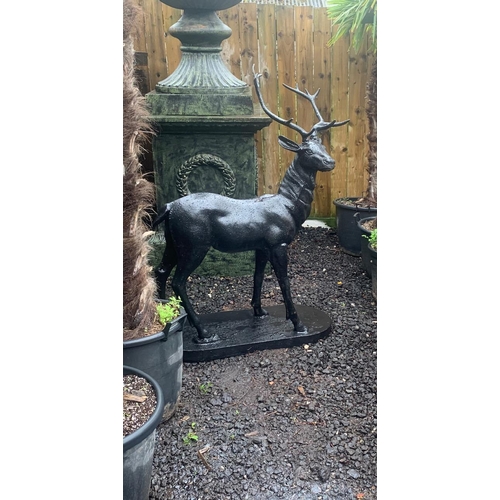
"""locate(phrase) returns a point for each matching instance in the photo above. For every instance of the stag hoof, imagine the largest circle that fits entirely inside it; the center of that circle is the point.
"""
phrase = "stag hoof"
(300, 328)
(206, 340)
(258, 311)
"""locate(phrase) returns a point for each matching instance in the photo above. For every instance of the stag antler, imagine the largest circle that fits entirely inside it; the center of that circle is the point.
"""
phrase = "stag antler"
(321, 125)
(318, 127)
(276, 118)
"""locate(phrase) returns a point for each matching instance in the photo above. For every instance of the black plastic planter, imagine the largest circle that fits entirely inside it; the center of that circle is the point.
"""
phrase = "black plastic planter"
(139, 447)
(373, 258)
(160, 355)
(365, 254)
(347, 224)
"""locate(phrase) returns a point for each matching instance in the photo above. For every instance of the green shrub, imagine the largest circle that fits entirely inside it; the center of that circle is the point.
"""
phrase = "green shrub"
(168, 311)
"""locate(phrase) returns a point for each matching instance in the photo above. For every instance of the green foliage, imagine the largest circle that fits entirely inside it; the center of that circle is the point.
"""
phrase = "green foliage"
(204, 388)
(191, 435)
(168, 311)
(372, 240)
(354, 17)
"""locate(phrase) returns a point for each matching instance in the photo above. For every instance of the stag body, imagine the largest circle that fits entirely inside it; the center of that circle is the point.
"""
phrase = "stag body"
(266, 224)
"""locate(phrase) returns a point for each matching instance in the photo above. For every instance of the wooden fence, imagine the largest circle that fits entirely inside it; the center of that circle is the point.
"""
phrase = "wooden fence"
(287, 44)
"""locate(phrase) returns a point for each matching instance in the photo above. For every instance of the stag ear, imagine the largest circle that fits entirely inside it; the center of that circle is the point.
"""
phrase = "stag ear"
(286, 143)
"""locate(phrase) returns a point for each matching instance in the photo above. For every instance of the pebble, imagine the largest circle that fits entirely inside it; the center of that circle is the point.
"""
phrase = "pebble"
(353, 473)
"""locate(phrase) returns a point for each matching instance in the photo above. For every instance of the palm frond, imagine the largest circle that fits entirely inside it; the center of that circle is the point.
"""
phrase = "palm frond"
(353, 17)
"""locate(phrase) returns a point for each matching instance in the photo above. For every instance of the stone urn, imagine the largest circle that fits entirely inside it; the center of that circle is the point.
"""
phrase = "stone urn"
(201, 4)
(201, 69)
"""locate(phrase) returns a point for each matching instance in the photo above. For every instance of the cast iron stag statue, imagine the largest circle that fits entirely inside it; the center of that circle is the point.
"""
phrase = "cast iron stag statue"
(266, 224)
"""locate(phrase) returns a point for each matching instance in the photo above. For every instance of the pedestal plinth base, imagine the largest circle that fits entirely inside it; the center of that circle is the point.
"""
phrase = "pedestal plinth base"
(241, 332)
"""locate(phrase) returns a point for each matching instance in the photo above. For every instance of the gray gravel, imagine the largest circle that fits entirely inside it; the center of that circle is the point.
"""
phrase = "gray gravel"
(296, 423)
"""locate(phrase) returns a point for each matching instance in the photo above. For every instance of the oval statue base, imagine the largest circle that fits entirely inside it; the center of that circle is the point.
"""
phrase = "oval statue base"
(240, 332)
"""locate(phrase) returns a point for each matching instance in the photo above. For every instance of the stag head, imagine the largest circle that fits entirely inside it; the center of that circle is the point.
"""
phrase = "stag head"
(312, 150)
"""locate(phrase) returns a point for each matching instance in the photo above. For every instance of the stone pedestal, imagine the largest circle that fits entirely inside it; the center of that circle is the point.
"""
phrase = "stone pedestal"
(205, 153)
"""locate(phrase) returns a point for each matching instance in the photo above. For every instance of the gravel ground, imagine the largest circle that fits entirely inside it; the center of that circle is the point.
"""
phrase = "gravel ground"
(296, 423)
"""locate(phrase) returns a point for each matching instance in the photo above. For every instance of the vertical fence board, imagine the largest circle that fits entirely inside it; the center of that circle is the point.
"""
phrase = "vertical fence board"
(231, 53)
(357, 159)
(173, 45)
(267, 66)
(370, 61)
(287, 44)
(340, 103)
(141, 52)
(139, 36)
(250, 52)
(304, 60)
(248, 41)
(286, 99)
(322, 80)
(304, 63)
(155, 41)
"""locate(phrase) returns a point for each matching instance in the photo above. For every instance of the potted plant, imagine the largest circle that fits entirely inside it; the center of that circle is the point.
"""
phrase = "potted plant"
(142, 413)
(159, 351)
(357, 17)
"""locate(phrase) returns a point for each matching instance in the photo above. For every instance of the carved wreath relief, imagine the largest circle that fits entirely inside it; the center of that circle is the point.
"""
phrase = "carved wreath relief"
(205, 160)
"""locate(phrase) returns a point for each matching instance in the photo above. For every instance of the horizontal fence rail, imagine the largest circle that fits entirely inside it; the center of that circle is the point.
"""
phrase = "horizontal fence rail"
(287, 41)
(299, 3)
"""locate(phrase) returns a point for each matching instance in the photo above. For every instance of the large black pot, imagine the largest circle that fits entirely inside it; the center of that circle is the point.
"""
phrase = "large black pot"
(139, 447)
(160, 355)
(348, 231)
(365, 254)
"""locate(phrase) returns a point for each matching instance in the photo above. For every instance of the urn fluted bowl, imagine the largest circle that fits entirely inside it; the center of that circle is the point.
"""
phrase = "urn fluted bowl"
(201, 4)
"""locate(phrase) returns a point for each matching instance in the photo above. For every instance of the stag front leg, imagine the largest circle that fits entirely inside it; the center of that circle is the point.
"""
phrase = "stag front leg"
(279, 261)
(261, 258)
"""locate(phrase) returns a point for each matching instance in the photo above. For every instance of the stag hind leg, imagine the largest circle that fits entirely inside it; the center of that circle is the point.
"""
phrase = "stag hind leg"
(188, 261)
(261, 258)
(279, 261)
(168, 262)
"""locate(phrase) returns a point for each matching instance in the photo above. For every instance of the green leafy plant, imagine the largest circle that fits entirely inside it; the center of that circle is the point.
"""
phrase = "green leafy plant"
(191, 435)
(169, 310)
(204, 388)
(372, 240)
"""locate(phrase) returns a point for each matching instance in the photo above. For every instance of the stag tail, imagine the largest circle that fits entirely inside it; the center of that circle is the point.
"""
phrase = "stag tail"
(162, 215)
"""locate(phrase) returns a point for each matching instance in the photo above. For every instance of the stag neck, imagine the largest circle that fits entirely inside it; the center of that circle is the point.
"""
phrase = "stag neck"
(297, 187)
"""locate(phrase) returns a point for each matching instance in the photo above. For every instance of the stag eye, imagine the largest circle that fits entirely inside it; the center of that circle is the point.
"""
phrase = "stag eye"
(308, 152)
